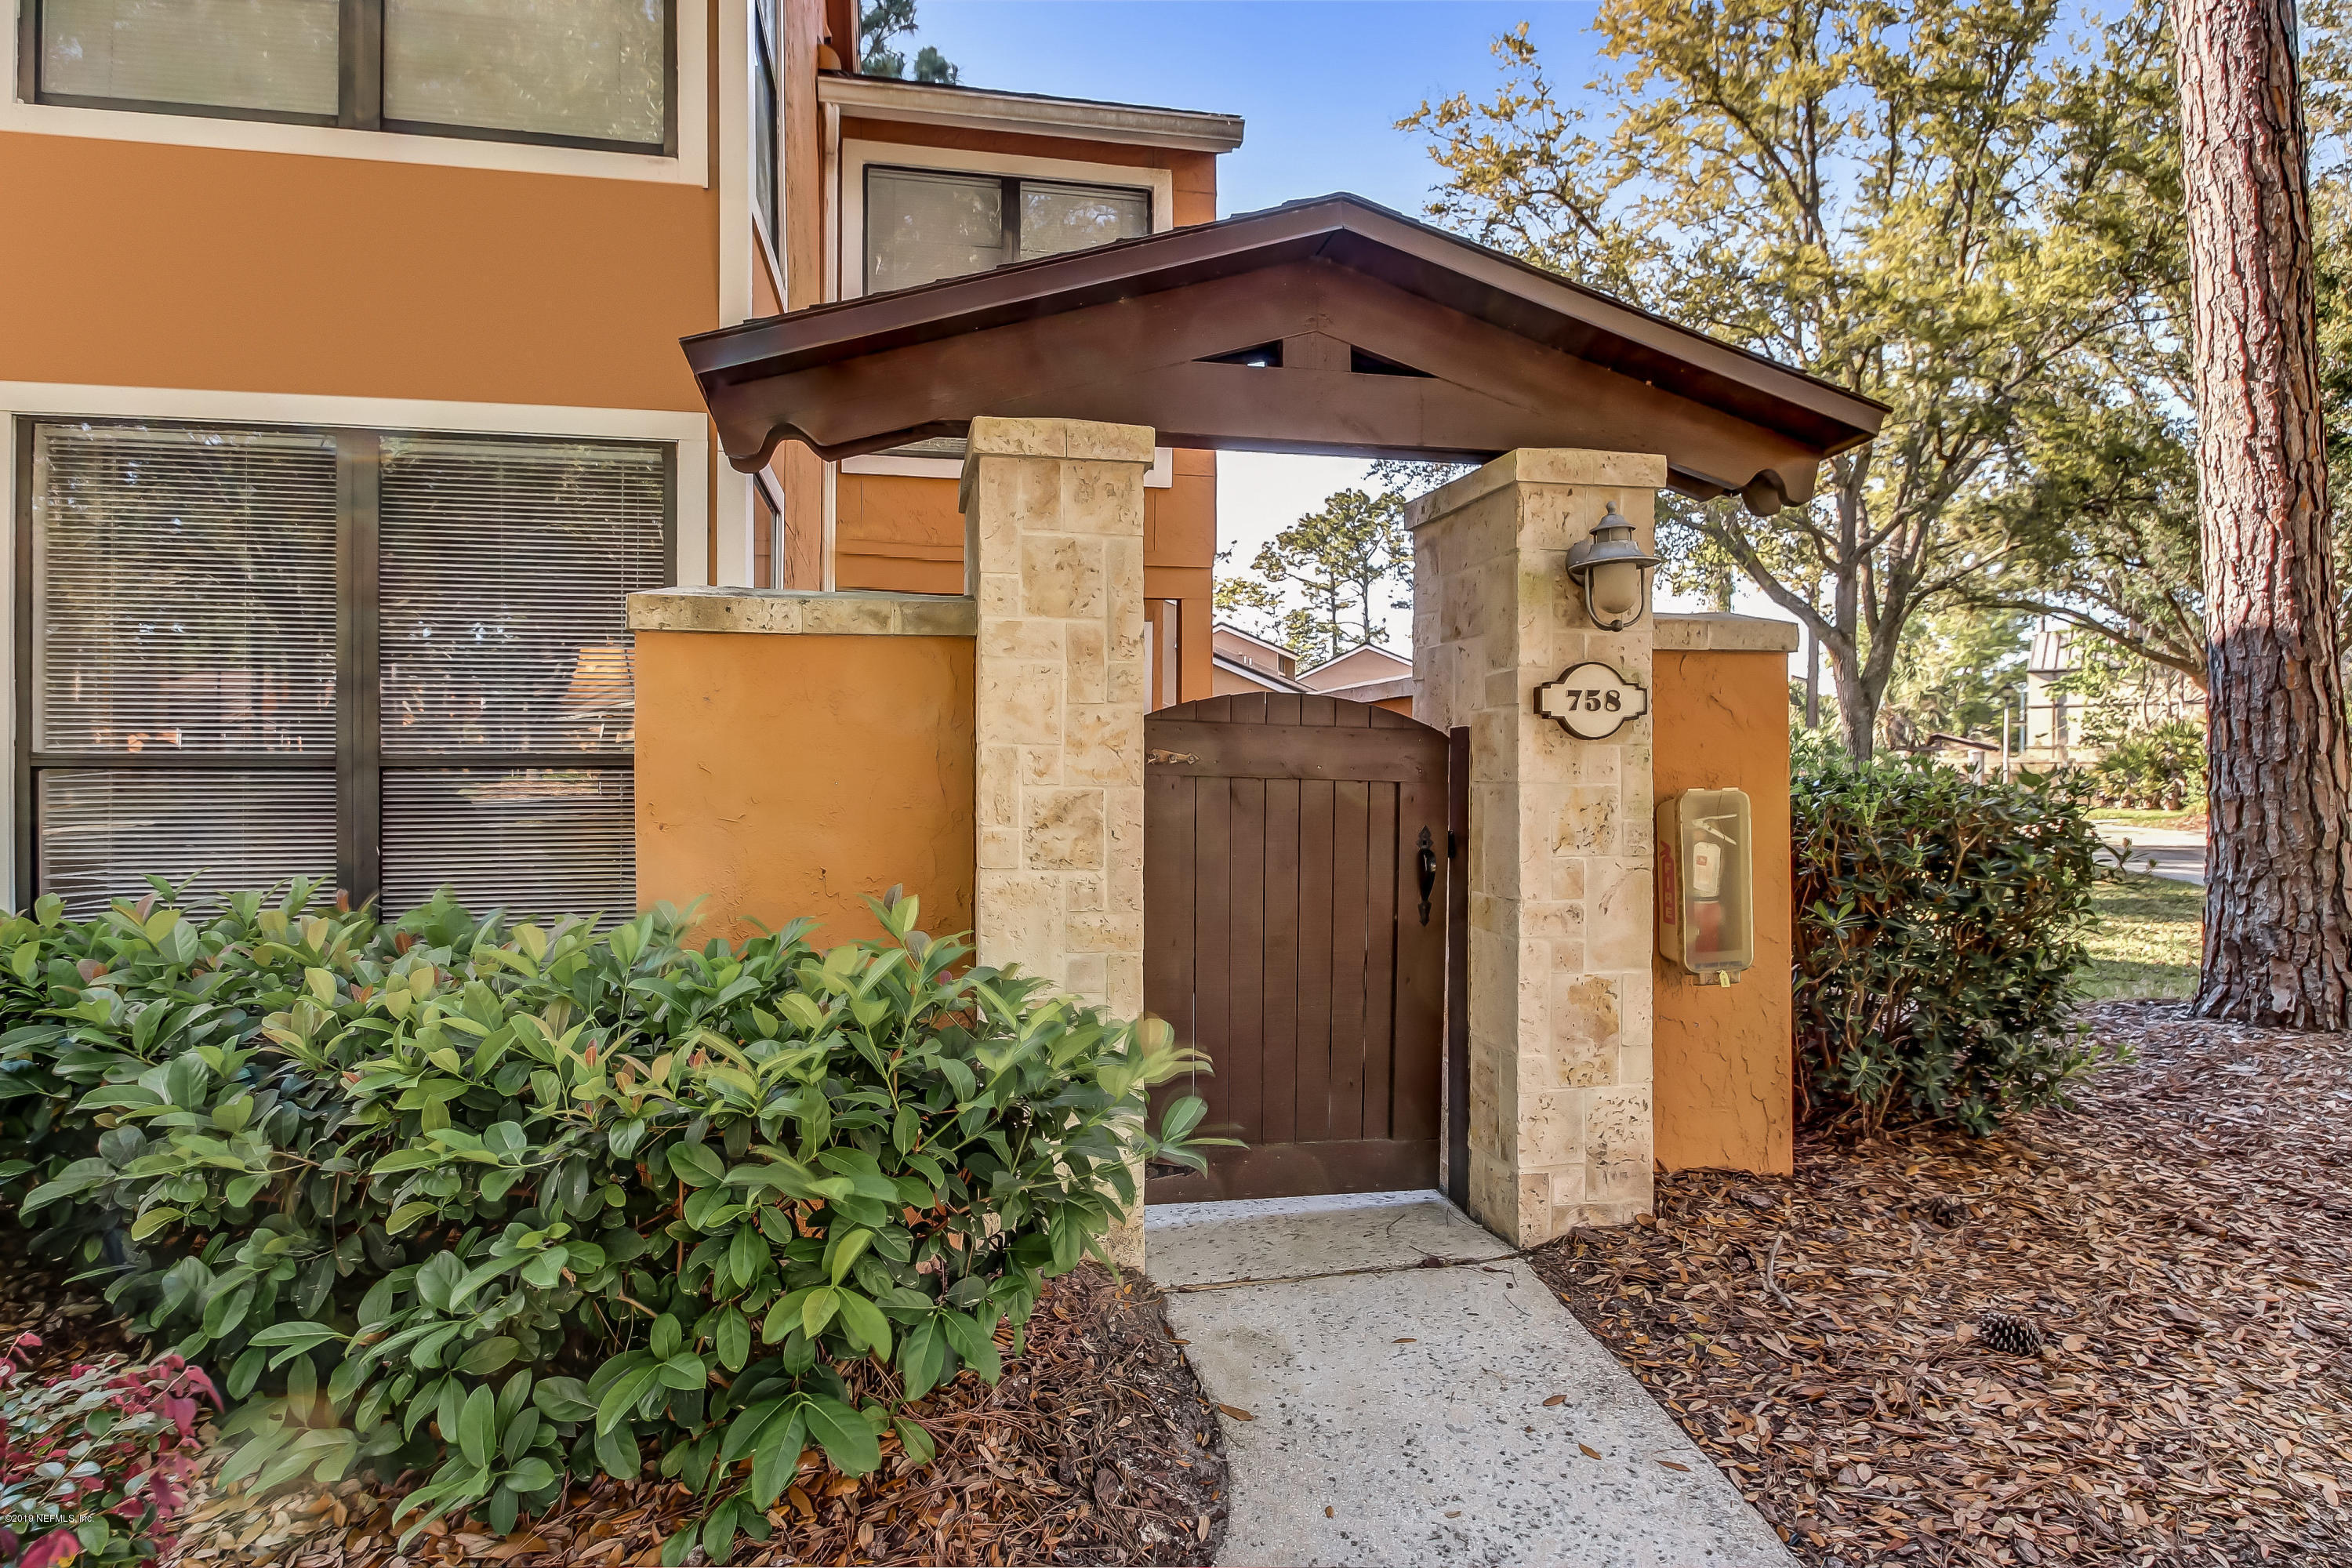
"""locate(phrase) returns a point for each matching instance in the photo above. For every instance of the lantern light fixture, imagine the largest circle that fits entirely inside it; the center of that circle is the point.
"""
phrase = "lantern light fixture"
(1613, 570)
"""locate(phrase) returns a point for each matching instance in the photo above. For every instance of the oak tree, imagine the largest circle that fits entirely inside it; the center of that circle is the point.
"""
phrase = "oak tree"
(1880, 192)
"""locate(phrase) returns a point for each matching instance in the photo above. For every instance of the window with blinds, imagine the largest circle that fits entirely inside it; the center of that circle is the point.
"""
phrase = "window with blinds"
(392, 662)
(574, 73)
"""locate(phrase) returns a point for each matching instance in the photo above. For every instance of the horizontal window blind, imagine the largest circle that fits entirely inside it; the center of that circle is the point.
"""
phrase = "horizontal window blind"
(102, 833)
(505, 573)
(535, 841)
(278, 56)
(587, 68)
(184, 592)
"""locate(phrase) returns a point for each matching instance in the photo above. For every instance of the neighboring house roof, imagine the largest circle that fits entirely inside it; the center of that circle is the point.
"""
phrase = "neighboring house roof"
(1228, 629)
(973, 108)
(1365, 664)
(1331, 325)
(1271, 680)
(1372, 690)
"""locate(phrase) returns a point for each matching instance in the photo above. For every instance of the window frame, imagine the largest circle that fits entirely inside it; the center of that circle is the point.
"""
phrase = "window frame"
(358, 762)
(359, 89)
(1008, 188)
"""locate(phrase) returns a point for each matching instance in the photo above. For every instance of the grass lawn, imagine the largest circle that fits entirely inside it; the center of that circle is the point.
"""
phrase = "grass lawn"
(2144, 938)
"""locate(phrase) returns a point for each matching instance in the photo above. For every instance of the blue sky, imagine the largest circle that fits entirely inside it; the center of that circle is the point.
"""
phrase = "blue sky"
(1320, 83)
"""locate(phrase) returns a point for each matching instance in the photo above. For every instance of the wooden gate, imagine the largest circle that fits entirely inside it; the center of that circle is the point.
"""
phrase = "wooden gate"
(1294, 917)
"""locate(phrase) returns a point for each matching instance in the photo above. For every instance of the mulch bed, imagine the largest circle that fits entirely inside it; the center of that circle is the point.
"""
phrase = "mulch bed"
(2181, 1241)
(1096, 1448)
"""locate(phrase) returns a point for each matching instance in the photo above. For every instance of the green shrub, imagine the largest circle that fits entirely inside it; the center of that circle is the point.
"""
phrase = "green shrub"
(1939, 926)
(504, 1202)
(2162, 765)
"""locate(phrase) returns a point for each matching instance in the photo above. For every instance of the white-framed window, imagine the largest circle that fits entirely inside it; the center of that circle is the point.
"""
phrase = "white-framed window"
(390, 659)
(923, 224)
(945, 212)
(767, 124)
(612, 87)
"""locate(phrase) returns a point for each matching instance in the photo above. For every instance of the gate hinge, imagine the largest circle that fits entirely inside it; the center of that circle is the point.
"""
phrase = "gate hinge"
(1453, 845)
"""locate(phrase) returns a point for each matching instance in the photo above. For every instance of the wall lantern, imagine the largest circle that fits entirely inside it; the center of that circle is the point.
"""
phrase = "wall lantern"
(1612, 569)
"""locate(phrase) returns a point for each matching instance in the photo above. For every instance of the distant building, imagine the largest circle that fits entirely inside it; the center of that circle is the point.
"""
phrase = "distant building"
(1366, 673)
(1243, 662)
(2062, 725)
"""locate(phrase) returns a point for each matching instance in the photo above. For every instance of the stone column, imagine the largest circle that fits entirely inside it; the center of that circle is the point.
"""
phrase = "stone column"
(1053, 552)
(1560, 838)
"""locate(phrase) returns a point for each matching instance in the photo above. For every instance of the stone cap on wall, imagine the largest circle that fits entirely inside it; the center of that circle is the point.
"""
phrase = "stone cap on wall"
(852, 613)
(1540, 465)
(1717, 631)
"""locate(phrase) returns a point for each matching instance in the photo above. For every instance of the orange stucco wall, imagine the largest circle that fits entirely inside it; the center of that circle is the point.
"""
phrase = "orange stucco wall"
(1722, 1054)
(782, 775)
(189, 266)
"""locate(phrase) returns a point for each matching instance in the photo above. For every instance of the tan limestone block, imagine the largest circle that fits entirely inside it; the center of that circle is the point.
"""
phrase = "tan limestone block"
(1062, 577)
(1621, 918)
(1017, 919)
(1123, 984)
(1016, 496)
(1588, 1008)
(992, 435)
(1085, 660)
(1102, 498)
(1551, 1129)
(1103, 743)
(998, 787)
(1124, 683)
(1589, 819)
(1018, 703)
(1105, 930)
(1017, 637)
(998, 849)
(1000, 598)
(1617, 1125)
(839, 616)
(1086, 975)
(1065, 831)
(1090, 440)
(1041, 765)
(1082, 892)
(1567, 878)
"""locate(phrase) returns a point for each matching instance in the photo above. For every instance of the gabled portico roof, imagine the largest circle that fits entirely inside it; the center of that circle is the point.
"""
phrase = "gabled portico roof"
(1325, 326)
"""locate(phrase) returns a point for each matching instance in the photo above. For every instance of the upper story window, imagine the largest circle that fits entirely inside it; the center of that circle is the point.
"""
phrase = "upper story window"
(578, 73)
(765, 121)
(922, 224)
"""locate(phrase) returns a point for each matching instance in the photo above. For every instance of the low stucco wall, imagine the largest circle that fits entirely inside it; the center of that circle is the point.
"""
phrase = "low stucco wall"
(1723, 1055)
(786, 776)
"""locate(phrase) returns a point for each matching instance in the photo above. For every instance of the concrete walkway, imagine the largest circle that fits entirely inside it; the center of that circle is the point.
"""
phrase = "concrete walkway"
(1394, 1360)
(2165, 852)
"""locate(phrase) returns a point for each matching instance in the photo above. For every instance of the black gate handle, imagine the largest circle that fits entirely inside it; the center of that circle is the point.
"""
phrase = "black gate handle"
(1428, 873)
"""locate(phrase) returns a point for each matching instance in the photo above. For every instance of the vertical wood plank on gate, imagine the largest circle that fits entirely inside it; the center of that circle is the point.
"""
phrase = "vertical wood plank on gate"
(1421, 959)
(1350, 836)
(1246, 970)
(1321, 711)
(1282, 708)
(1211, 902)
(1168, 905)
(1314, 1063)
(1278, 1110)
(1383, 908)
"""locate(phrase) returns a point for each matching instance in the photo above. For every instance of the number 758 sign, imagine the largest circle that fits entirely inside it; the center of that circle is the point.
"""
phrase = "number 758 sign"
(1590, 701)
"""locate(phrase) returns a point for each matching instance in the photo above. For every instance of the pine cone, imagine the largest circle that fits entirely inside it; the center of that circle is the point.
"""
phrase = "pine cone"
(2009, 1334)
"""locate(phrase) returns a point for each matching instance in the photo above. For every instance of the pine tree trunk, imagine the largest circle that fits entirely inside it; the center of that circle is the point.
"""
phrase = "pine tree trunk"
(2278, 930)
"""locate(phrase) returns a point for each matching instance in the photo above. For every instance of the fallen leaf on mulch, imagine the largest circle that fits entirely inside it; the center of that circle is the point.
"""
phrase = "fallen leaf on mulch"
(1096, 1448)
(2182, 1239)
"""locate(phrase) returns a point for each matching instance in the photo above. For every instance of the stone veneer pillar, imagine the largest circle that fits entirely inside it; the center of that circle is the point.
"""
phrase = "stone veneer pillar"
(1054, 554)
(1560, 838)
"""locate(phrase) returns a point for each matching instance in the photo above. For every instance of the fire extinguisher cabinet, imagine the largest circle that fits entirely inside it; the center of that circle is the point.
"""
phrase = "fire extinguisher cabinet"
(1707, 917)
